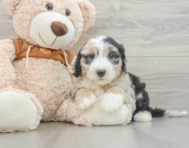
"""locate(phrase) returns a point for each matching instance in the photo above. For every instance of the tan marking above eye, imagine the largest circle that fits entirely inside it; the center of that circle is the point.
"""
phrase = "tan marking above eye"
(109, 48)
(89, 50)
(112, 48)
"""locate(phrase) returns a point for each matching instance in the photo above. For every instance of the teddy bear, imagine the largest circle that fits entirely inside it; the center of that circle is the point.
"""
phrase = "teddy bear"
(35, 80)
(34, 76)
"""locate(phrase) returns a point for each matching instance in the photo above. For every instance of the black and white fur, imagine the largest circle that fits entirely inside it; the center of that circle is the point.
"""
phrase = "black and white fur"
(86, 68)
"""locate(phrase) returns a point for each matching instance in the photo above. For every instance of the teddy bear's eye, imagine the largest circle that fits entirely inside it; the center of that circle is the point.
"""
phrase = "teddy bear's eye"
(49, 7)
(67, 12)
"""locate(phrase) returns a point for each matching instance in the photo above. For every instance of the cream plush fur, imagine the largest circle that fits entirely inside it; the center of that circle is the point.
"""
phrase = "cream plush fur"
(41, 91)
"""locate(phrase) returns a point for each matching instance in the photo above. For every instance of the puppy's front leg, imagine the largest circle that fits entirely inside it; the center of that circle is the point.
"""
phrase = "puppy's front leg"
(84, 98)
(114, 99)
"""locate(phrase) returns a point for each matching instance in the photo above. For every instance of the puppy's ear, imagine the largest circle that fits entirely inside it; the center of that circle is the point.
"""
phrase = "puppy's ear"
(121, 51)
(123, 57)
(78, 65)
(11, 5)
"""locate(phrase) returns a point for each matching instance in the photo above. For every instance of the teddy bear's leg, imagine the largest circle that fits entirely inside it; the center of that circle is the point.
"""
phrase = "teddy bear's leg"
(130, 114)
(95, 115)
(68, 112)
(19, 111)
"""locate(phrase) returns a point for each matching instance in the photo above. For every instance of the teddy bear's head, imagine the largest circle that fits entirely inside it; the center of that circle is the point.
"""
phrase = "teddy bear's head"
(55, 24)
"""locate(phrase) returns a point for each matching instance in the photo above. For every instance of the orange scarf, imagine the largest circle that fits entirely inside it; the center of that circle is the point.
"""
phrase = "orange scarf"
(21, 47)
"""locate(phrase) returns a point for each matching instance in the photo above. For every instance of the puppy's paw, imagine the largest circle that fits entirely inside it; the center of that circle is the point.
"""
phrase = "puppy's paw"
(143, 116)
(86, 102)
(112, 102)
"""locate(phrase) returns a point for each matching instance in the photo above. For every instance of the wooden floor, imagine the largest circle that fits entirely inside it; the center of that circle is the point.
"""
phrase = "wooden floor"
(155, 34)
(161, 133)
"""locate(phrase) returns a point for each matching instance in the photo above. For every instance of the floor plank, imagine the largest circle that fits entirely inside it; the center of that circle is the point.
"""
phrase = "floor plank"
(164, 133)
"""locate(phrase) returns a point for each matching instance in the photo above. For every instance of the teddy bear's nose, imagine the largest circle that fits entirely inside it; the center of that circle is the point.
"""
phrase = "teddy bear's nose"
(59, 29)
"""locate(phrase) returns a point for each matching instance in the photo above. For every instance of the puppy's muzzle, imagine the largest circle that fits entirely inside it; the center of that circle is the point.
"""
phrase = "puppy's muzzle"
(101, 73)
(59, 29)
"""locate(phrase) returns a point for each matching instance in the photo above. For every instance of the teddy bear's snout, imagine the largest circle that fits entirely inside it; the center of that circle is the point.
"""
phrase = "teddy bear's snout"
(59, 29)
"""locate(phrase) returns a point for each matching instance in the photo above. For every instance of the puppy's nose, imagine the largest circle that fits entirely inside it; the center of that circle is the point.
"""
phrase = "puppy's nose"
(101, 73)
(59, 29)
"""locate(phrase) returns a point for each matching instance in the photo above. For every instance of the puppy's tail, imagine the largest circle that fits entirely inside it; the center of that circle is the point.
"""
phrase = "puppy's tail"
(157, 112)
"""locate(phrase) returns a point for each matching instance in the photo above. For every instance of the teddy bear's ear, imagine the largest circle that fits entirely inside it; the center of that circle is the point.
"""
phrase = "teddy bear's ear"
(89, 13)
(11, 5)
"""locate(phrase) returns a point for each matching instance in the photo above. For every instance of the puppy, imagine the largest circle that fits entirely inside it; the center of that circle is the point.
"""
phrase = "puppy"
(100, 71)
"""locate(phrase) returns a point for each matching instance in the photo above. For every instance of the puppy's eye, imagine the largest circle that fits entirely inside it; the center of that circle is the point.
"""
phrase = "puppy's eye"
(67, 12)
(91, 56)
(49, 7)
(111, 56)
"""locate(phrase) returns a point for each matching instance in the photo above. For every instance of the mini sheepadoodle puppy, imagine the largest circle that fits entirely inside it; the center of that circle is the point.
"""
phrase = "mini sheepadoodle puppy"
(101, 67)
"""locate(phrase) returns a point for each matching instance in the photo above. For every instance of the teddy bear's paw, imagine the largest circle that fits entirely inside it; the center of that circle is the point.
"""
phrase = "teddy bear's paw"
(112, 102)
(18, 112)
(87, 102)
(129, 115)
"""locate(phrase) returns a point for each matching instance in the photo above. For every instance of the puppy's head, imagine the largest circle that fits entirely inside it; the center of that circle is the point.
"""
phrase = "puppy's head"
(101, 60)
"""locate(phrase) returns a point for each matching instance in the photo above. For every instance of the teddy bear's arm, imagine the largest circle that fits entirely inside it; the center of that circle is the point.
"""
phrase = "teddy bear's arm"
(7, 55)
